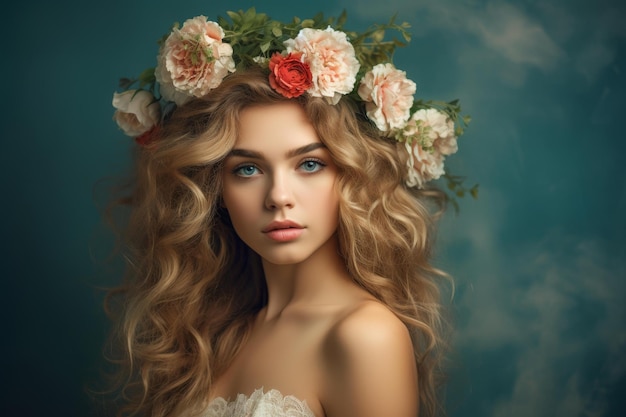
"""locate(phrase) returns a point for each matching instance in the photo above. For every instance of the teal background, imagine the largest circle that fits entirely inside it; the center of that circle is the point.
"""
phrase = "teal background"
(539, 258)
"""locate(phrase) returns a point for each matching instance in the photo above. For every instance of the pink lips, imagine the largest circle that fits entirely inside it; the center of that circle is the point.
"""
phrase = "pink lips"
(283, 230)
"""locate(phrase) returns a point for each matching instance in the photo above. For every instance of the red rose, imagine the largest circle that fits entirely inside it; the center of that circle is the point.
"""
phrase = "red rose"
(288, 75)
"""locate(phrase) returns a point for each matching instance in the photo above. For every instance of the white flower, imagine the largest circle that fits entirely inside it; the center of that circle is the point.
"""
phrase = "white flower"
(261, 60)
(193, 60)
(388, 95)
(436, 130)
(137, 111)
(332, 61)
(428, 137)
(423, 165)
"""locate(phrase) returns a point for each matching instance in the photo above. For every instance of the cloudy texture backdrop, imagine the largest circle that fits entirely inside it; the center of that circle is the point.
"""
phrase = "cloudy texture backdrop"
(539, 258)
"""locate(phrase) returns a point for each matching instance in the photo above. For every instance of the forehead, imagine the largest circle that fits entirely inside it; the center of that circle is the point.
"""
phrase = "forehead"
(275, 126)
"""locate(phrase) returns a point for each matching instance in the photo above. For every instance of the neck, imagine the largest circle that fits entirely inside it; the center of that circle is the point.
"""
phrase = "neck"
(313, 281)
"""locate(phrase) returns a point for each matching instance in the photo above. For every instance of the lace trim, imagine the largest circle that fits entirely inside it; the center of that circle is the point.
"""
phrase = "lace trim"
(260, 404)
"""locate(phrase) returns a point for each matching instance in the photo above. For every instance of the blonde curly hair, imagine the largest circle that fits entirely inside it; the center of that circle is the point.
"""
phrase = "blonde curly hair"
(193, 286)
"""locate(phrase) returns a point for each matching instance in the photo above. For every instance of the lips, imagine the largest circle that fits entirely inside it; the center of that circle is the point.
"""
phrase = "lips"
(283, 230)
(281, 225)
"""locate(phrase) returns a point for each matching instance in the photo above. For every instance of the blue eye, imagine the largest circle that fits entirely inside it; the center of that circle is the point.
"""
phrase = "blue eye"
(312, 165)
(246, 170)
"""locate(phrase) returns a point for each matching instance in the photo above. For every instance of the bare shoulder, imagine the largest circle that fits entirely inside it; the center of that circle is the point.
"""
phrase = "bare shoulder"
(369, 365)
(371, 325)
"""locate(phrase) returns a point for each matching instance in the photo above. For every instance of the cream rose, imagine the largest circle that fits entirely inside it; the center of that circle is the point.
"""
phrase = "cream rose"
(332, 61)
(437, 130)
(388, 95)
(193, 60)
(423, 165)
(137, 111)
(428, 137)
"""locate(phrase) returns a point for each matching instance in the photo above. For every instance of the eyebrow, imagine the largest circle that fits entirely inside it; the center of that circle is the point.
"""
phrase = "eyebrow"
(293, 152)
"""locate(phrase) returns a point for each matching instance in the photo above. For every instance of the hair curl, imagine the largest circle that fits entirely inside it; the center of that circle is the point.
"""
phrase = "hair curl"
(193, 286)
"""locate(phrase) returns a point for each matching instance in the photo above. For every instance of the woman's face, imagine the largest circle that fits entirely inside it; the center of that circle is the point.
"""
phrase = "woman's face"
(279, 185)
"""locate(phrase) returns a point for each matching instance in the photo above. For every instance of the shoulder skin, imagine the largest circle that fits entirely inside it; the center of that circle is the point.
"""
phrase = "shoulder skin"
(369, 366)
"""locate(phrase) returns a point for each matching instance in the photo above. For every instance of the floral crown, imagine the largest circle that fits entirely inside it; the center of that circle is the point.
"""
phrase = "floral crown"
(311, 56)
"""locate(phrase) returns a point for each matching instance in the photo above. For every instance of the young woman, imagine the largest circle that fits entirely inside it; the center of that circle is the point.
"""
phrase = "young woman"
(278, 260)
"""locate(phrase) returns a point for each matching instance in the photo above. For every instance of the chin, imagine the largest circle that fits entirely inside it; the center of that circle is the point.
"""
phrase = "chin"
(284, 257)
(283, 260)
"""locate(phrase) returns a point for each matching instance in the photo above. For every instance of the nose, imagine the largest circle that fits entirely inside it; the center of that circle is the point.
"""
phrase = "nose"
(279, 193)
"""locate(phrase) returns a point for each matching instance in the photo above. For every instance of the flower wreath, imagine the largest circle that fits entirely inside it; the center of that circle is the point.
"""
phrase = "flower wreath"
(311, 56)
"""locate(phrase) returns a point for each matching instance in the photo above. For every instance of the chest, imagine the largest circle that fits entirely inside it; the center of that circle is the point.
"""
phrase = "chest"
(286, 357)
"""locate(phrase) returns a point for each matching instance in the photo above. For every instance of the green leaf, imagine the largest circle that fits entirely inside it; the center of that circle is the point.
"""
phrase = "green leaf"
(147, 76)
(125, 83)
(235, 17)
(277, 31)
(265, 46)
(319, 17)
(378, 35)
(250, 13)
(342, 19)
(399, 43)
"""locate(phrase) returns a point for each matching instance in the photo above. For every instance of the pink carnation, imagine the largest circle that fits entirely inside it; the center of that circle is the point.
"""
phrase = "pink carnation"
(429, 137)
(193, 60)
(436, 130)
(423, 165)
(388, 95)
(332, 61)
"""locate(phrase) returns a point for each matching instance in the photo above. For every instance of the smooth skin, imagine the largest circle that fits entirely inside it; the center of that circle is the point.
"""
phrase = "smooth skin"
(321, 337)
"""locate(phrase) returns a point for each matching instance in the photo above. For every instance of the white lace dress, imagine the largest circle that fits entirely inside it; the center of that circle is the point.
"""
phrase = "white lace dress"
(260, 404)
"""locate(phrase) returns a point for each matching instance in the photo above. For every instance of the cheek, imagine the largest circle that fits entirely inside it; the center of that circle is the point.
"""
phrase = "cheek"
(238, 204)
(326, 203)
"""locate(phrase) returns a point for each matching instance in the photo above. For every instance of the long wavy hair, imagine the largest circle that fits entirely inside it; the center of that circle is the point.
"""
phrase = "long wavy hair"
(193, 287)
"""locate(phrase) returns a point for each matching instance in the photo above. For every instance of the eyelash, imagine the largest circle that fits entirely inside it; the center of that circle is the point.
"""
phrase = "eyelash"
(319, 162)
(238, 168)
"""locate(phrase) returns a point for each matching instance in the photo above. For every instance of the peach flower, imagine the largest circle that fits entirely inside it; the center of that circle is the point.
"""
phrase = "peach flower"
(423, 165)
(193, 60)
(137, 111)
(437, 130)
(332, 61)
(388, 95)
(429, 137)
